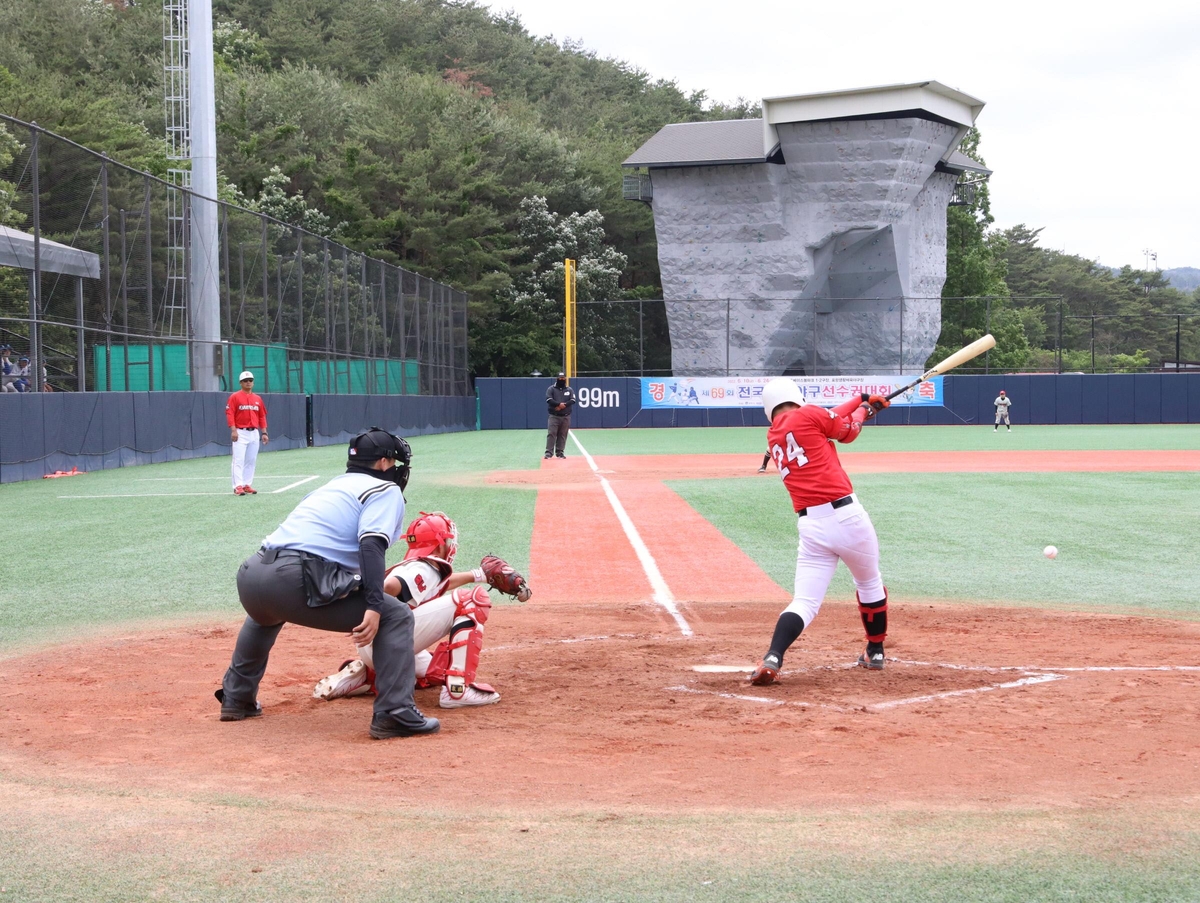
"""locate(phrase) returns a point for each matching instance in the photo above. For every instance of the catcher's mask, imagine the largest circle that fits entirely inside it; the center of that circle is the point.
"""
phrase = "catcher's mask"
(777, 392)
(373, 444)
(427, 532)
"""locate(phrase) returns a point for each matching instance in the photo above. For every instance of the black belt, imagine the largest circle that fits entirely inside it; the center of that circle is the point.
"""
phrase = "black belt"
(836, 503)
(269, 555)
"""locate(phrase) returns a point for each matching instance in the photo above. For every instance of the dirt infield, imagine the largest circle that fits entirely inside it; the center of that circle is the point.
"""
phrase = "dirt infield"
(602, 708)
(606, 703)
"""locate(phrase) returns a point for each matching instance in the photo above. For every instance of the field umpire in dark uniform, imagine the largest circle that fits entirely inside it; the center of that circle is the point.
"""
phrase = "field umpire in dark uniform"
(324, 567)
(560, 401)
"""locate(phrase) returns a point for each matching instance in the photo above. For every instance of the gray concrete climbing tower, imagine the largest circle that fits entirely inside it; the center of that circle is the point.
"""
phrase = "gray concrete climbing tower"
(812, 240)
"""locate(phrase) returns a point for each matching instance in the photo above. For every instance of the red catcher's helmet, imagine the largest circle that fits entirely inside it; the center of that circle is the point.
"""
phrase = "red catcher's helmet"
(427, 532)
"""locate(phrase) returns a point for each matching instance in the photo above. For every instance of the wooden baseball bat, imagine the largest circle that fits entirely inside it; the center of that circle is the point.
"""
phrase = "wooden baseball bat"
(976, 348)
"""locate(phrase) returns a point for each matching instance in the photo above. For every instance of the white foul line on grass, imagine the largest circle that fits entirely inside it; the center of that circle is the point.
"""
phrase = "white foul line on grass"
(294, 485)
(167, 495)
(144, 495)
(661, 592)
(224, 478)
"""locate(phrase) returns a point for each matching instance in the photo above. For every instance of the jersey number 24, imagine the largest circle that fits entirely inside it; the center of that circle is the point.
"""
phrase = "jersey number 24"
(795, 455)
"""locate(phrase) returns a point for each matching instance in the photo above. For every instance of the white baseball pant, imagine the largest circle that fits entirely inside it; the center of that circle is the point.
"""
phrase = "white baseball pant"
(245, 454)
(431, 622)
(827, 535)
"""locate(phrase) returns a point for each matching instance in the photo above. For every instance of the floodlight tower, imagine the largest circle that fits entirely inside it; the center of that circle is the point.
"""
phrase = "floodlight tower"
(190, 94)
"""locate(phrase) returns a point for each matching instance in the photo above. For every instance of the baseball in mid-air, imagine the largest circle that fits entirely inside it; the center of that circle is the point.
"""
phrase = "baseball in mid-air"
(1050, 551)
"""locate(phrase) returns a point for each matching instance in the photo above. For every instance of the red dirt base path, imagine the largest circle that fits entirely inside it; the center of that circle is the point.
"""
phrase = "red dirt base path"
(606, 704)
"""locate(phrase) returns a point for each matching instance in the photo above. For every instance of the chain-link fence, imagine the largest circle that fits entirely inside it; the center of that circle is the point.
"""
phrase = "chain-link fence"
(95, 290)
(756, 337)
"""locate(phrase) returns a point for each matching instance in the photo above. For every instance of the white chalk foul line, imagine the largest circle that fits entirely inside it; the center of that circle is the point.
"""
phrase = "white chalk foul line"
(144, 495)
(742, 697)
(294, 485)
(661, 592)
(1077, 669)
(224, 478)
(1028, 680)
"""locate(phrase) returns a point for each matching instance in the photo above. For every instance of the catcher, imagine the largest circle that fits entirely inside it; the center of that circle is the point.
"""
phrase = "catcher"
(445, 607)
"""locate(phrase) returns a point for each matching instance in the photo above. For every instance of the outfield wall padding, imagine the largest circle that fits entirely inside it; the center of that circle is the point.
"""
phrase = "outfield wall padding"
(520, 403)
(41, 433)
(338, 418)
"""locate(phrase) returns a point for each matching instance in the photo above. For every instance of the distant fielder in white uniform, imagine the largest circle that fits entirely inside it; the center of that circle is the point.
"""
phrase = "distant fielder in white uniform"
(1002, 403)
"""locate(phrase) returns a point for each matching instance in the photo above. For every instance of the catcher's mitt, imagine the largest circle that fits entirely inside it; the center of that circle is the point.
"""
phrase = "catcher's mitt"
(501, 576)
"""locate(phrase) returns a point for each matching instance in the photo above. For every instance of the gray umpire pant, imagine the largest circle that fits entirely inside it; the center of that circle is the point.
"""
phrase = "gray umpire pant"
(273, 594)
(557, 427)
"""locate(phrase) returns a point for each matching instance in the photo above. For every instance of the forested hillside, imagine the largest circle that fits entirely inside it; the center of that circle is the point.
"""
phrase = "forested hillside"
(421, 129)
(419, 124)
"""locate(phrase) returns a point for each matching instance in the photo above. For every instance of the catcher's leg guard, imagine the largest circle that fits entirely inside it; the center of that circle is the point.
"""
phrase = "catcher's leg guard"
(456, 661)
(471, 602)
(874, 617)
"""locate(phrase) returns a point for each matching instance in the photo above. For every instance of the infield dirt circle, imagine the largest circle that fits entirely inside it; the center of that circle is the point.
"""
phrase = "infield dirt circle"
(608, 703)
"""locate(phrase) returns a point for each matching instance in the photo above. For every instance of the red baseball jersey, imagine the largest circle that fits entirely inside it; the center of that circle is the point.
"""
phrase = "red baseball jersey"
(801, 442)
(245, 410)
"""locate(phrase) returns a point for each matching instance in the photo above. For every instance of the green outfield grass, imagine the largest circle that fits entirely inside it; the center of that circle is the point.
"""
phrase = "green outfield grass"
(77, 845)
(145, 553)
(1126, 540)
(165, 541)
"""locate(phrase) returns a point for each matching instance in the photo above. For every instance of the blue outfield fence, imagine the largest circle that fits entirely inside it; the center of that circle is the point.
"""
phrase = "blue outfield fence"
(42, 432)
(520, 403)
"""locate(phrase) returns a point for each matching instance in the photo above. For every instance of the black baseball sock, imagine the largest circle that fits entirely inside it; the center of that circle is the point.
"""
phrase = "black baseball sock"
(789, 626)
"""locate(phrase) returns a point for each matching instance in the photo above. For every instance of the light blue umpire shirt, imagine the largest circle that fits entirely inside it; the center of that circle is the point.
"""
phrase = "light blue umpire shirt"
(330, 521)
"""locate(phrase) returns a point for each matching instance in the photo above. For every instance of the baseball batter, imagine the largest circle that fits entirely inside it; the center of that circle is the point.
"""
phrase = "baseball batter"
(833, 525)
(1002, 403)
(444, 606)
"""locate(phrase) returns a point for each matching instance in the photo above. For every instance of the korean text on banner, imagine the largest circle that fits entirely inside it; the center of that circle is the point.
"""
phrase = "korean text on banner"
(746, 391)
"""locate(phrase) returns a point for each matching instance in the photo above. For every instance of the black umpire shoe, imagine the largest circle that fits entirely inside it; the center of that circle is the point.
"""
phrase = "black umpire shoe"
(408, 723)
(237, 711)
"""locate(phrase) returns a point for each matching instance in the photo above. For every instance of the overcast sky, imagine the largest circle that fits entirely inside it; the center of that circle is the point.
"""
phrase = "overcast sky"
(1092, 122)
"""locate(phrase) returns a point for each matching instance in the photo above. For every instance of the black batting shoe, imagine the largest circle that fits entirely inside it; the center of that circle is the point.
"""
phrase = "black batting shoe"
(871, 657)
(767, 673)
(408, 723)
(232, 710)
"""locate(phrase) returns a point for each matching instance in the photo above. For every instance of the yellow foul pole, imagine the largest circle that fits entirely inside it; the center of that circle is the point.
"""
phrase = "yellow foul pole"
(570, 318)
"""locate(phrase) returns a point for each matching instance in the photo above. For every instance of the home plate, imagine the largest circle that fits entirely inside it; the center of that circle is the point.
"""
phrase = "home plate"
(723, 669)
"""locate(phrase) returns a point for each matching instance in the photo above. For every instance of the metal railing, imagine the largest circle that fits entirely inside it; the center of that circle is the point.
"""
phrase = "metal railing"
(728, 336)
(310, 313)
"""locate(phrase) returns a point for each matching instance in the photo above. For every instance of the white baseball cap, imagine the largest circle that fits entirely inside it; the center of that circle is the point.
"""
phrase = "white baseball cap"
(246, 374)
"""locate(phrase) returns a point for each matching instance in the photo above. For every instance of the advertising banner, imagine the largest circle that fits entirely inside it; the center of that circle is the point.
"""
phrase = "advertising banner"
(746, 391)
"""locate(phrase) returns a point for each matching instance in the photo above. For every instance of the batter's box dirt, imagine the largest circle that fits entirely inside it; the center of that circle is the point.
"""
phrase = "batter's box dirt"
(602, 708)
(846, 687)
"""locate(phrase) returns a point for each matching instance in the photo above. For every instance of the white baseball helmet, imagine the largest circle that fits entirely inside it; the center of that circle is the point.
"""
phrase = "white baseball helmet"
(780, 390)
(246, 374)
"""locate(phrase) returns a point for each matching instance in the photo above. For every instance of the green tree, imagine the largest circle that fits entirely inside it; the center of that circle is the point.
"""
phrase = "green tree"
(530, 334)
(975, 266)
